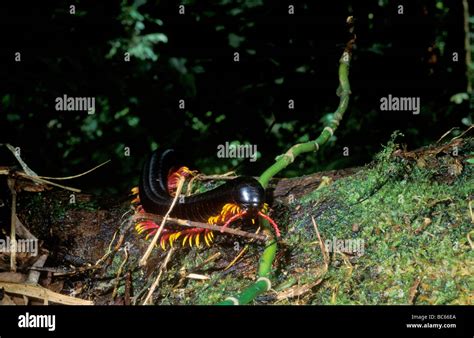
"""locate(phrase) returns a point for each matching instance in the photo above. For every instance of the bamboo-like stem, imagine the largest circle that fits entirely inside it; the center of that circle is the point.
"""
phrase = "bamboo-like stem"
(282, 161)
(263, 283)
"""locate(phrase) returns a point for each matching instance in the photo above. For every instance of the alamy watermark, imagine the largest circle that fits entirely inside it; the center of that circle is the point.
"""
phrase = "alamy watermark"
(20, 245)
(229, 150)
(394, 103)
(349, 246)
(70, 103)
(37, 321)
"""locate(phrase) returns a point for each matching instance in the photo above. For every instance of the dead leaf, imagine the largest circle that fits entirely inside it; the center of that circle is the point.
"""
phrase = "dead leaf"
(12, 277)
(7, 300)
(297, 290)
(413, 291)
(19, 300)
(197, 276)
(56, 286)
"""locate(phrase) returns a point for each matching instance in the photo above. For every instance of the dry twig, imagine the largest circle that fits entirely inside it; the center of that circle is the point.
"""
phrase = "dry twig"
(147, 254)
(157, 280)
(193, 224)
(36, 291)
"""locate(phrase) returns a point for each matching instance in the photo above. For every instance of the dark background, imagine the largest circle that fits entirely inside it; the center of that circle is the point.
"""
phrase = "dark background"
(190, 57)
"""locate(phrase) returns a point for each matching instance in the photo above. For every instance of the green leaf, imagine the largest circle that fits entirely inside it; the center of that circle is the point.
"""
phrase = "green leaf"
(121, 113)
(139, 26)
(235, 40)
(279, 81)
(459, 98)
(156, 37)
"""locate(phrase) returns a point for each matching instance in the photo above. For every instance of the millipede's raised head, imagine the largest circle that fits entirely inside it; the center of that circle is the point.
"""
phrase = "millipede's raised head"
(249, 194)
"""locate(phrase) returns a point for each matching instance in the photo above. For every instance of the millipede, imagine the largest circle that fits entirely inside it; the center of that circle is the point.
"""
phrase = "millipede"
(240, 198)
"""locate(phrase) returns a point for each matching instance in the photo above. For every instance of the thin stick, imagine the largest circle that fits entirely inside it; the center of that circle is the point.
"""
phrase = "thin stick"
(23, 231)
(119, 242)
(11, 186)
(36, 179)
(321, 244)
(128, 288)
(470, 240)
(40, 180)
(445, 134)
(240, 254)
(470, 211)
(57, 272)
(297, 290)
(74, 176)
(147, 254)
(157, 280)
(119, 272)
(25, 167)
(237, 257)
(227, 176)
(413, 290)
(463, 133)
(210, 259)
(34, 275)
(28, 173)
(201, 177)
(192, 224)
(45, 179)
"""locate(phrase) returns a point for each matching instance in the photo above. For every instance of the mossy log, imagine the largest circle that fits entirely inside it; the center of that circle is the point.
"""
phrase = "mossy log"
(411, 213)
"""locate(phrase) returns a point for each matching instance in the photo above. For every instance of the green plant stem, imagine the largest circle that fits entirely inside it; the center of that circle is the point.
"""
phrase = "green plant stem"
(282, 161)
(265, 266)
(263, 283)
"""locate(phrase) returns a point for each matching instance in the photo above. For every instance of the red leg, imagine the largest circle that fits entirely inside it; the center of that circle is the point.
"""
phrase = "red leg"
(233, 218)
(272, 222)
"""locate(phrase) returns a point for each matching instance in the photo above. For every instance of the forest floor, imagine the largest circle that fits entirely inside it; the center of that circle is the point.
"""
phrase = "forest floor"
(397, 231)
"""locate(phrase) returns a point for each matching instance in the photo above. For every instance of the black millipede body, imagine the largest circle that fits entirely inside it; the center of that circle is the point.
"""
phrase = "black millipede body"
(245, 192)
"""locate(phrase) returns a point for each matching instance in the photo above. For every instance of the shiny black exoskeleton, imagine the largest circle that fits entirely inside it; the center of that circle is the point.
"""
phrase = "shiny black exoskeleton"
(246, 192)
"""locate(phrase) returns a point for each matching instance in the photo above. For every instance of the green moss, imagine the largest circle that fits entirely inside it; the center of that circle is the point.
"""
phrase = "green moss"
(85, 205)
(412, 221)
(412, 226)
